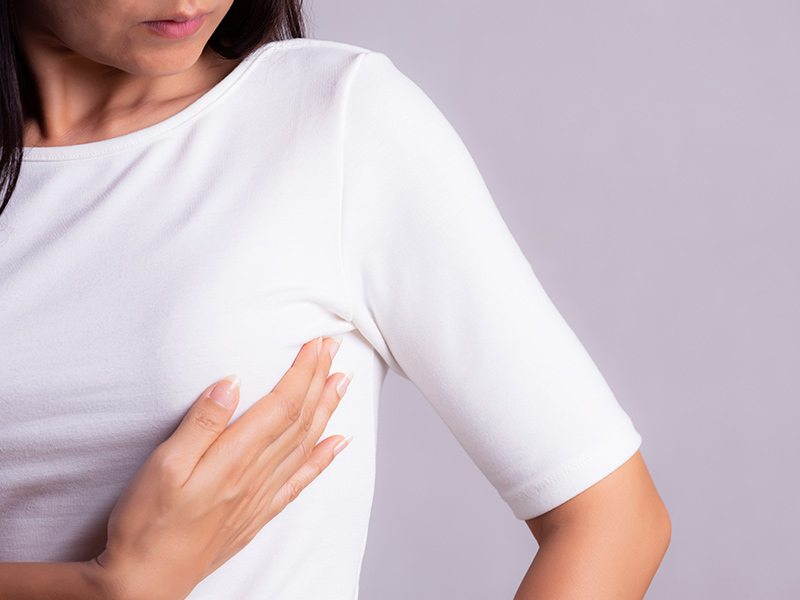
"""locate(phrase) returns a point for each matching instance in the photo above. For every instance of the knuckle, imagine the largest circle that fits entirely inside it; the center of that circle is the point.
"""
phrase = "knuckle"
(230, 491)
(169, 465)
(327, 405)
(321, 418)
(320, 465)
(290, 406)
(206, 421)
(307, 446)
(293, 489)
(307, 420)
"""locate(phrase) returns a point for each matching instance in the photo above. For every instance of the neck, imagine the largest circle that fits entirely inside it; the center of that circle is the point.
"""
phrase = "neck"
(79, 100)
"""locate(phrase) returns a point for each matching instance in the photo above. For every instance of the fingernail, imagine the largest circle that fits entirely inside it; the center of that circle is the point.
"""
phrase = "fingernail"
(341, 445)
(224, 393)
(319, 345)
(334, 347)
(342, 385)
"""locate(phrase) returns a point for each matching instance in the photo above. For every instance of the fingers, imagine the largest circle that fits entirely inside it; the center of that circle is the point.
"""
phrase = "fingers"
(229, 476)
(321, 457)
(292, 388)
(332, 393)
(267, 504)
(286, 414)
(202, 425)
(335, 388)
(289, 408)
(308, 409)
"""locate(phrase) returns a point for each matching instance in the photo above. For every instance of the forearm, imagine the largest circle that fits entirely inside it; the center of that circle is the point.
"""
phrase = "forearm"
(58, 580)
(594, 563)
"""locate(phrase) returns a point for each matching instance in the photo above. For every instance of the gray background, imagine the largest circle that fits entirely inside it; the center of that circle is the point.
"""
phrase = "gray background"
(645, 156)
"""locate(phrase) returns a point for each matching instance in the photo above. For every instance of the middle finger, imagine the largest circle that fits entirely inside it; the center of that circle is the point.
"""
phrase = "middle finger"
(278, 421)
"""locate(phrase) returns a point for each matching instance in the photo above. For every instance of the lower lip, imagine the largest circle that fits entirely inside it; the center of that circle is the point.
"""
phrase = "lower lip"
(175, 30)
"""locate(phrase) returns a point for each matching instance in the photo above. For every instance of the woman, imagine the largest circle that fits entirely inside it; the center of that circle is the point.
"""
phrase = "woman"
(203, 190)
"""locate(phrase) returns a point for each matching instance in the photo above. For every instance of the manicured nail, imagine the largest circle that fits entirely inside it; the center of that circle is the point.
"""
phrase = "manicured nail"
(334, 347)
(319, 345)
(341, 445)
(224, 393)
(345, 381)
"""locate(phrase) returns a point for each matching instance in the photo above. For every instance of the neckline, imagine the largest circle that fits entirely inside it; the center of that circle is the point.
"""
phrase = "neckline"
(141, 136)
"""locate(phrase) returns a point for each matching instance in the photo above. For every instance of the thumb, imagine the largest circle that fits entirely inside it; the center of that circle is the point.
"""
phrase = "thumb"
(206, 420)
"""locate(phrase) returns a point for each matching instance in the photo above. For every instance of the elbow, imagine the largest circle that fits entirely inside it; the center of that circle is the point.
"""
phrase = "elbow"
(650, 534)
(649, 521)
(661, 530)
(623, 513)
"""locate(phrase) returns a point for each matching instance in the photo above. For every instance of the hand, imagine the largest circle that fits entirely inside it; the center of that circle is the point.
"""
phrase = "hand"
(205, 492)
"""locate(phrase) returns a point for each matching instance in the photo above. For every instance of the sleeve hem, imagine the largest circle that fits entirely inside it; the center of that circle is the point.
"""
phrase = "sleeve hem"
(539, 497)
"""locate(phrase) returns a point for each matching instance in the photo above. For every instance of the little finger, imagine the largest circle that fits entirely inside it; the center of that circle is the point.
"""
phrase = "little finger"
(320, 459)
(335, 388)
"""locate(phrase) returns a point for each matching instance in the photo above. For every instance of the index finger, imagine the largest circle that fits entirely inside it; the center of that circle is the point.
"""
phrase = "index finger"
(273, 414)
(297, 380)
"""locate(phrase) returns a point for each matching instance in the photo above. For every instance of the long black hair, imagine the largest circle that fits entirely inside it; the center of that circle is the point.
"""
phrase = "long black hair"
(248, 25)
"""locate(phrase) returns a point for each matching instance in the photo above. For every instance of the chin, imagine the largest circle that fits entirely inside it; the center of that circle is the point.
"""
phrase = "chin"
(163, 61)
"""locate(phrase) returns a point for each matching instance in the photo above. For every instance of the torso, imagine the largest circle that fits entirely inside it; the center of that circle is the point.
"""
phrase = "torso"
(135, 269)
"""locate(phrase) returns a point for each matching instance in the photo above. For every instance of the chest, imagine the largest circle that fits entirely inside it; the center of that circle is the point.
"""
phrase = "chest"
(129, 287)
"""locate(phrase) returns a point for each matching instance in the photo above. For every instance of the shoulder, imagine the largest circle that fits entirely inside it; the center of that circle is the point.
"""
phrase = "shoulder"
(317, 86)
(308, 59)
(313, 48)
(318, 67)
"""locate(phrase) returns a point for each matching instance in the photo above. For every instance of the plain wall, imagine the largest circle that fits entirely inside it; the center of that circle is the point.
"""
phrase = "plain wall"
(646, 156)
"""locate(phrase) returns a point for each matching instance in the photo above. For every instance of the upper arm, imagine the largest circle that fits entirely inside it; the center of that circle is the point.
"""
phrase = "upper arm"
(625, 502)
(443, 292)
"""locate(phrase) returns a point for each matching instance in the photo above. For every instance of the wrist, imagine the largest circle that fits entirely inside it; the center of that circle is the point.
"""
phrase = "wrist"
(102, 582)
(112, 579)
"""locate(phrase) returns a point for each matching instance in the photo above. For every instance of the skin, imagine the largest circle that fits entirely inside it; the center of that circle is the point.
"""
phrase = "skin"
(204, 493)
(606, 543)
(99, 74)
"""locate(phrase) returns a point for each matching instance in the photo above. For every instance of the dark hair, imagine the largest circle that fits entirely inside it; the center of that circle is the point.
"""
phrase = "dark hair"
(248, 25)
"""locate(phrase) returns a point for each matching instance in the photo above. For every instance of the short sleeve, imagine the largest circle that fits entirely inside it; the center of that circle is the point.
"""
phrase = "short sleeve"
(444, 293)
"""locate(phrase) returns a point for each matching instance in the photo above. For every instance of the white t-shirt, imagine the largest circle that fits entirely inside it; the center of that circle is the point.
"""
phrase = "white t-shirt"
(315, 191)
